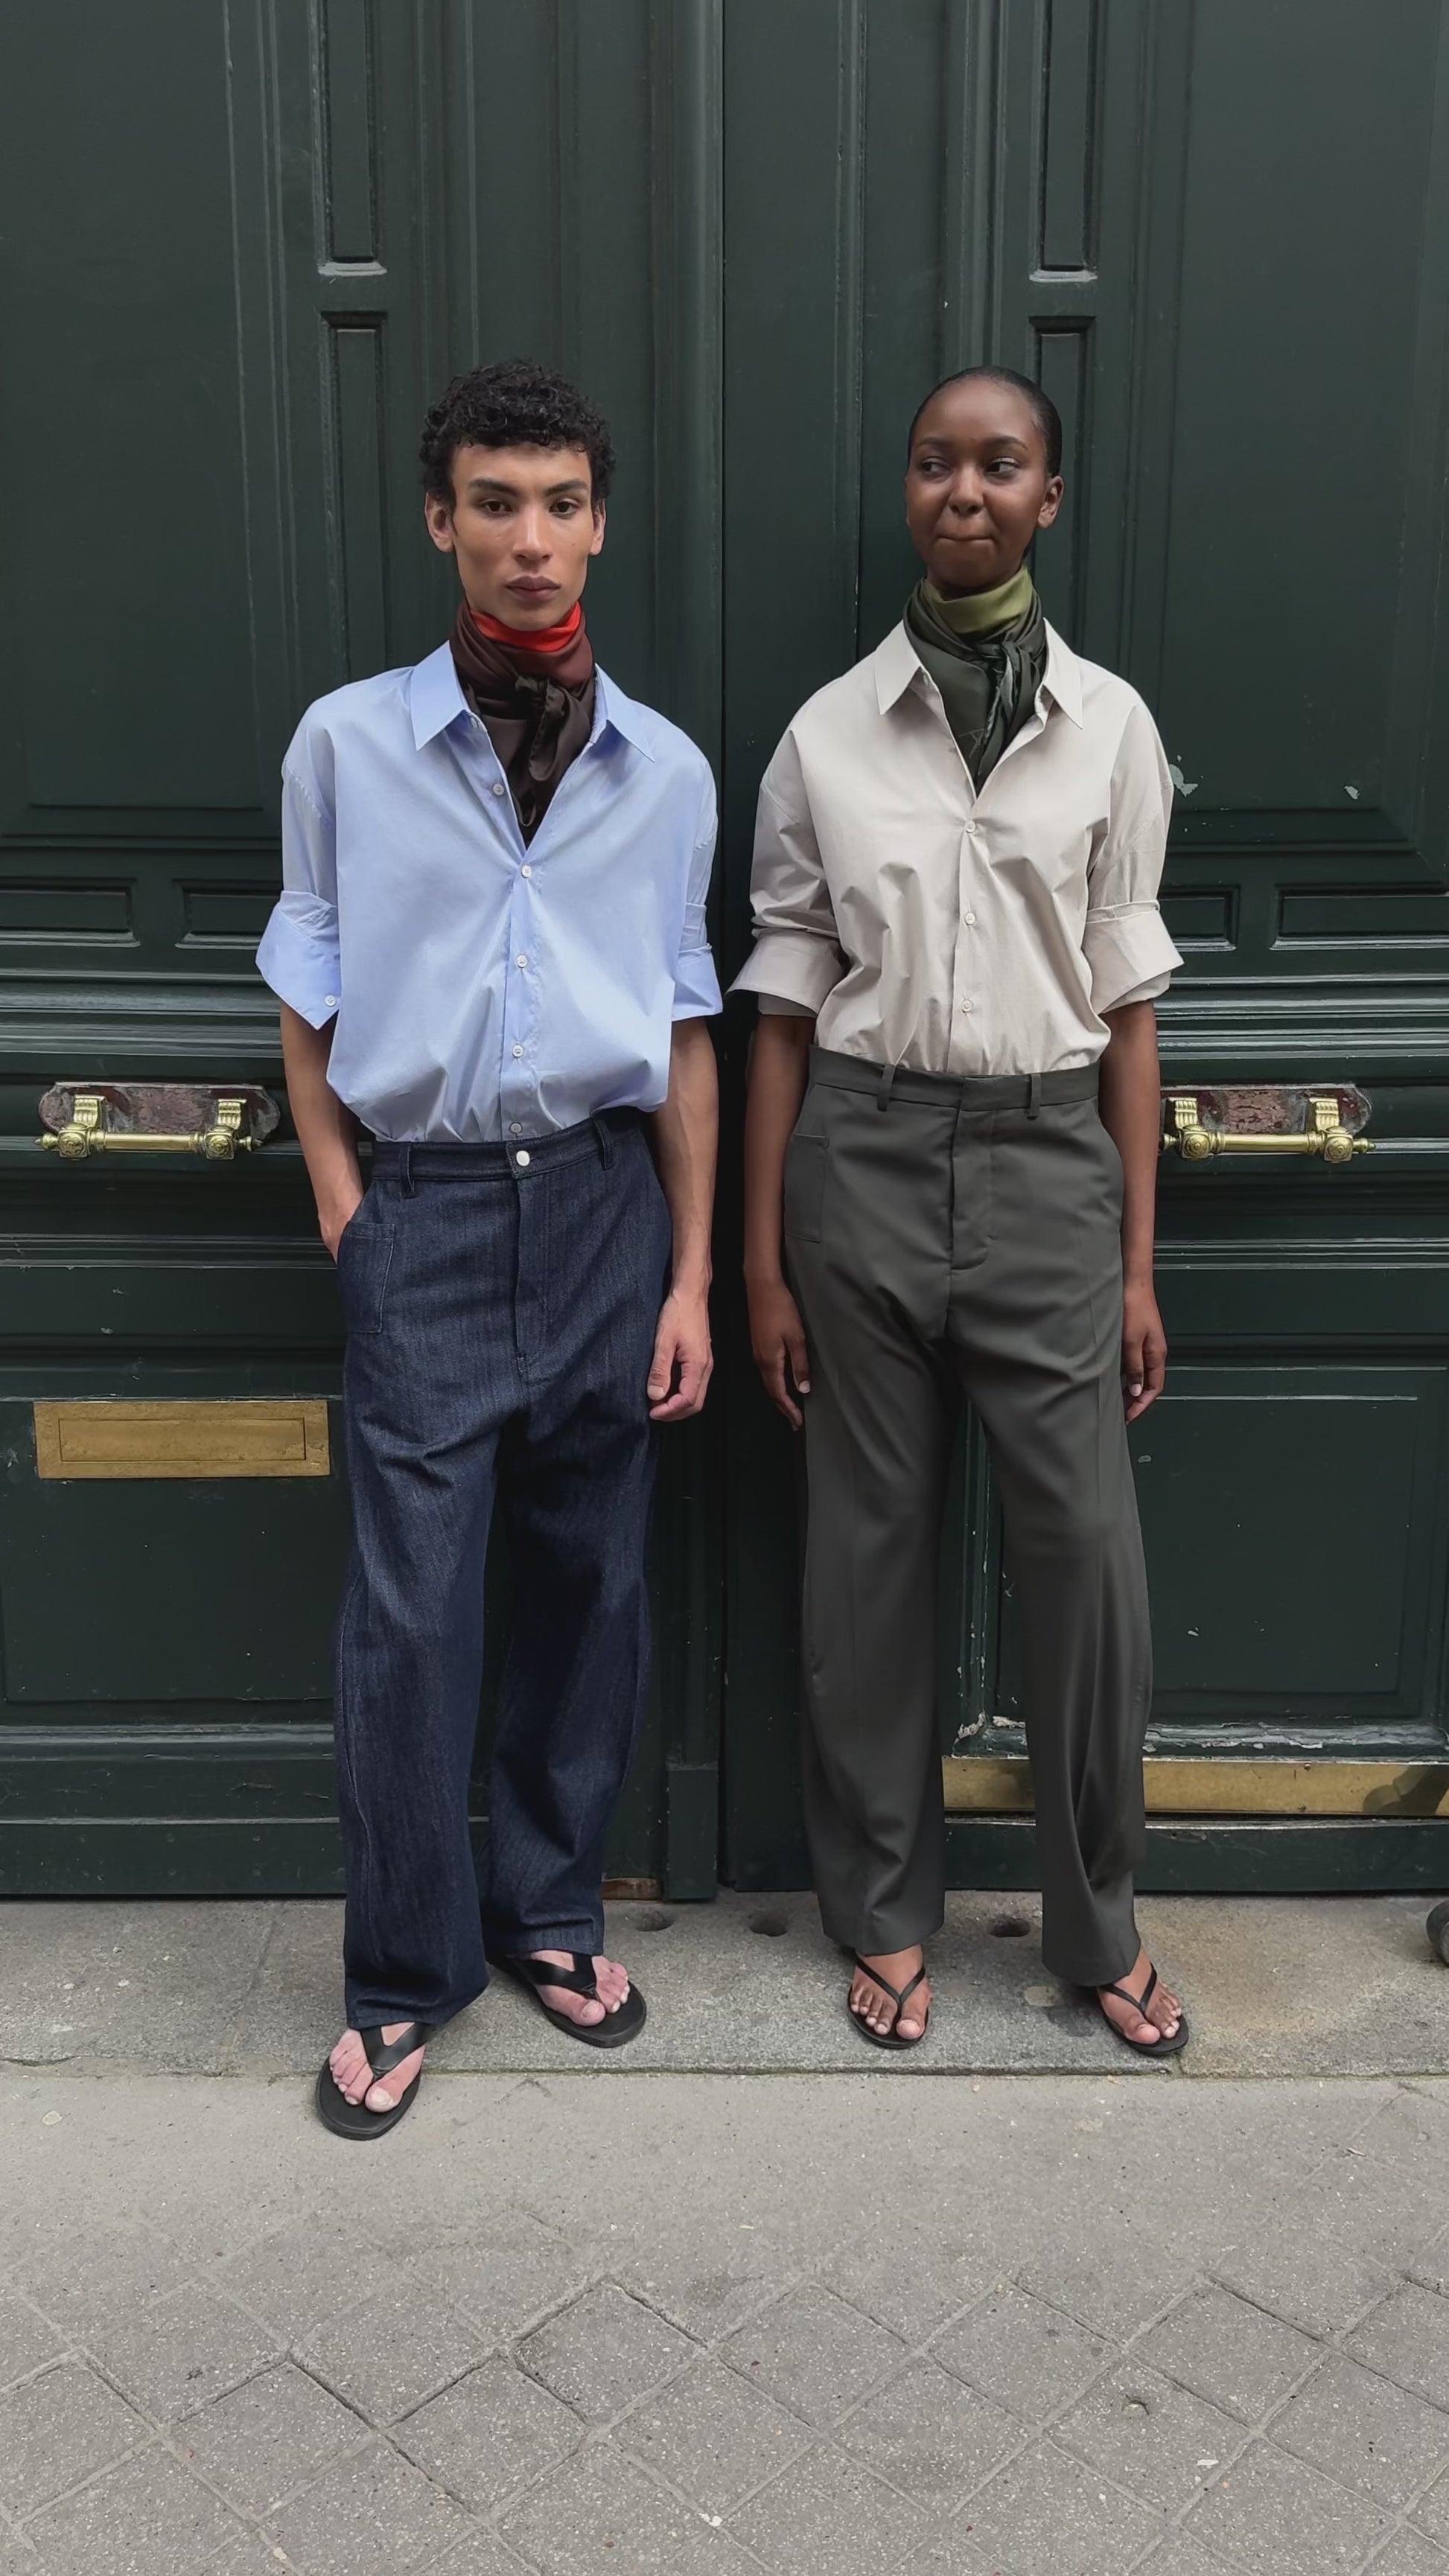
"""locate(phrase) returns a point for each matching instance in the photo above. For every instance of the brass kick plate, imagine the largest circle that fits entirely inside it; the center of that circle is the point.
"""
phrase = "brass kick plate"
(1000, 1785)
(287, 1437)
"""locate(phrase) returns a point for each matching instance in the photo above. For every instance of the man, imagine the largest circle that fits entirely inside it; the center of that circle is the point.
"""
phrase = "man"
(491, 954)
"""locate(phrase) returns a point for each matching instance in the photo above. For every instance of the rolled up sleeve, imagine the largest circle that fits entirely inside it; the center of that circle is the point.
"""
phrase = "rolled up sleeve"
(1128, 951)
(300, 954)
(696, 982)
(797, 958)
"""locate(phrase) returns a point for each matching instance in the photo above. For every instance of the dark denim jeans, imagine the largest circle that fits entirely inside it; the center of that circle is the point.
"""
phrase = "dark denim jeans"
(501, 1307)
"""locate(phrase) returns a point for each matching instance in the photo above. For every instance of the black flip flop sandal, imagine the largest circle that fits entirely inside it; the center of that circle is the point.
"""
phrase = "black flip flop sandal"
(899, 1995)
(353, 2119)
(616, 2028)
(1161, 2047)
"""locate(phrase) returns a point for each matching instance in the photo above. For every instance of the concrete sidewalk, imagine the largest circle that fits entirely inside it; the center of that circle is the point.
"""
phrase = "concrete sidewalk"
(606, 2323)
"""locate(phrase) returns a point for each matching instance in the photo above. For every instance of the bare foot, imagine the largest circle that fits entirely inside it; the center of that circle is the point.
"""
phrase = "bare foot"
(353, 2076)
(611, 1979)
(1164, 2010)
(872, 2005)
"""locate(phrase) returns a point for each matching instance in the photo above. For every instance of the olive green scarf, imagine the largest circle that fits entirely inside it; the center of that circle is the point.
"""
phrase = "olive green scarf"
(987, 654)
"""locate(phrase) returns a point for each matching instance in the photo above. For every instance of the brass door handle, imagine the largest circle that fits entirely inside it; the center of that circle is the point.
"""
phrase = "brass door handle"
(1323, 1130)
(140, 1118)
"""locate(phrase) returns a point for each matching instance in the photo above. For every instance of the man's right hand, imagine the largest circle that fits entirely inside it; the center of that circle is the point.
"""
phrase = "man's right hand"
(777, 1337)
(336, 1217)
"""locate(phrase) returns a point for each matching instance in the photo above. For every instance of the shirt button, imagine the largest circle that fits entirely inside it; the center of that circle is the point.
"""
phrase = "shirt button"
(528, 871)
(331, 1001)
(498, 787)
(968, 1006)
(517, 1128)
(519, 1050)
(522, 960)
(970, 920)
(520, 1162)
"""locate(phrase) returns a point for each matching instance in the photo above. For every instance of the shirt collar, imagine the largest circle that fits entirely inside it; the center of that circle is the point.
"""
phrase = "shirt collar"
(436, 701)
(897, 664)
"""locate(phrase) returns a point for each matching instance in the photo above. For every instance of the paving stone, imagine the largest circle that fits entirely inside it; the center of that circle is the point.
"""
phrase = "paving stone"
(489, 2434)
(1365, 2431)
(264, 2439)
(930, 2434)
(26, 2339)
(1115, 2285)
(304, 2276)
(1229, 2353)
(149, 2516)
(1411, 2129)
(1181, 2555)
(503, 2278)
(1018, 2350)
(57, 2430)
(1043, 2505)
(599, 2515)
(828, 2516)
(1384, 2213)
(1408, 2554)
(911, 2280)
(1408, 2340)
(372, 2515)
(1431, 2512)
(392, 2350)
(713, 2435)
(813, 2353)
(1275, 2517)
(1149, 2435)
(180, 2351)
(482, 2555)
(93, 2278)
(1303, 2276)
(1431, 2268)
(605, 2350)
(711, 2279)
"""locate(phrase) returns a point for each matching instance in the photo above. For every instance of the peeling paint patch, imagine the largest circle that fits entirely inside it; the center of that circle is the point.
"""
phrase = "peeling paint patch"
(1184, 786)
(1353, 792)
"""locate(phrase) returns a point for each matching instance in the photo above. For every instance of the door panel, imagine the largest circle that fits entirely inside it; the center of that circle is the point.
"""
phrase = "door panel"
(247, 246)
(1219, 236)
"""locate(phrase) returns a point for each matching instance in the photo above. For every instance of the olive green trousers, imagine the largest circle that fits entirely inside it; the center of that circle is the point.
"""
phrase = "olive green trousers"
(946, 1239)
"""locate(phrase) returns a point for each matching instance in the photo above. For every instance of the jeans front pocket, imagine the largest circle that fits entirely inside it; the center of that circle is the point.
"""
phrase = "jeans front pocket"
(804, 1188)
(364, 1258)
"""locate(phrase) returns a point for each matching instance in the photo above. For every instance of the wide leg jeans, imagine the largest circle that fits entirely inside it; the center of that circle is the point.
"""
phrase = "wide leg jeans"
(501, 1305)
(947, 1239)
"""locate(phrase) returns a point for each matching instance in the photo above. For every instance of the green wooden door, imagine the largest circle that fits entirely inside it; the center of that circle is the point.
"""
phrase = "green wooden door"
(243, 247)
(1219, 235)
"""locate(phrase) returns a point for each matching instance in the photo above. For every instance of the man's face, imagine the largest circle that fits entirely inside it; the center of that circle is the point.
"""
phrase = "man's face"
(523, 526)
(977, 486)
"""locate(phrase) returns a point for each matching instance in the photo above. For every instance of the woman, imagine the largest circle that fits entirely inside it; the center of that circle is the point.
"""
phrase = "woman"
(951, 1147)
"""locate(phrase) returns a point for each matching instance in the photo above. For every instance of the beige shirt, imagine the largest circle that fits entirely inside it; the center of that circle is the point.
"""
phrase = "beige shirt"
(952, 932)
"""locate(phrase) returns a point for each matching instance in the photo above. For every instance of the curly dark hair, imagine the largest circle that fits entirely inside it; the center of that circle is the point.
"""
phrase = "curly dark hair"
(1043, 410)
(513, 403)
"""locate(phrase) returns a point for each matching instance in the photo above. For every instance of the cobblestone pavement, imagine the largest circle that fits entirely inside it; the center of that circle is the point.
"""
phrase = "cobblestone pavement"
(679, 2325)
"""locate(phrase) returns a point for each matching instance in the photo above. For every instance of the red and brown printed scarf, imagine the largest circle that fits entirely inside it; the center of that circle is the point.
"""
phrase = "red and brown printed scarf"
(535, 693)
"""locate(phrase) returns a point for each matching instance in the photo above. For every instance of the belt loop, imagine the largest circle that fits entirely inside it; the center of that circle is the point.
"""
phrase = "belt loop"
(883, 1095)
(605, 1139)
(1033, 1094)
(405, 1171)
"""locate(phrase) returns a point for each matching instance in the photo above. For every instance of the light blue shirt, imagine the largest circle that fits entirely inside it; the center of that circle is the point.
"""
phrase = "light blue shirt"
(484, 988)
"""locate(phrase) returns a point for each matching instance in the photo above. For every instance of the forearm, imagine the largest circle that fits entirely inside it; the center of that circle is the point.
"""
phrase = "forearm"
(686, 1149)
(327, 1131)
(779, 1071)
(1131, 1104)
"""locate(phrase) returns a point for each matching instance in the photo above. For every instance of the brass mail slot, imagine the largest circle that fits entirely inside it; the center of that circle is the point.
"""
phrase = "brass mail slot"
(286, 1437)
(1000, 1784)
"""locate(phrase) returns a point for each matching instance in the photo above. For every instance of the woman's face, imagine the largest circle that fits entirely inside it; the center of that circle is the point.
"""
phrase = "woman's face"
(977, 485)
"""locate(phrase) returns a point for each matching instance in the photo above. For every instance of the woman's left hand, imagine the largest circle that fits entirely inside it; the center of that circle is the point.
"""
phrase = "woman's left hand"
(1144, 1350)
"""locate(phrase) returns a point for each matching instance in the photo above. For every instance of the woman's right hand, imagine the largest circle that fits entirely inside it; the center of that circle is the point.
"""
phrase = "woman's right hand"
(777, 1338)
